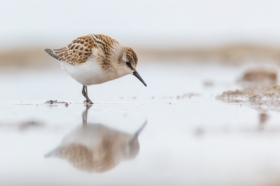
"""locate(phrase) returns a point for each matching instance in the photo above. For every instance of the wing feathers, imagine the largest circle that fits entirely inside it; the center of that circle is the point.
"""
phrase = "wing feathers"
(80, 49)
(76, 52)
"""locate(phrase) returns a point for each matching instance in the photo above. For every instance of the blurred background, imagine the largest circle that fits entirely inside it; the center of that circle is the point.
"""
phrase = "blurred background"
(211, 105)
(227, 30)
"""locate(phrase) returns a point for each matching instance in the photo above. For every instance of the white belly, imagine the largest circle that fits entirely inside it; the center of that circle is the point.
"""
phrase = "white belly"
(87, 73)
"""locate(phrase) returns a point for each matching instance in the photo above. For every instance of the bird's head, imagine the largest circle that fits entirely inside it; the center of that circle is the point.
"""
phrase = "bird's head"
(128, 62)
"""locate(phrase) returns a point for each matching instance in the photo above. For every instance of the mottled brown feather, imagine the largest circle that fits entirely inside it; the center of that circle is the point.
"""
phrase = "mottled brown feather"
(105, 44)
(80, 49)
(77, 51)
(131, 56)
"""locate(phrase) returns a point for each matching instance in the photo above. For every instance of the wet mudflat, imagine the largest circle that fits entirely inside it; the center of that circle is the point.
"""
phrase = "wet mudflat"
(194, 134)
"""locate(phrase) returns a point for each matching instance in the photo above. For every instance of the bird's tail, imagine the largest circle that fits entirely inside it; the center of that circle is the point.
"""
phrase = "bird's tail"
(57, 53)
(51, 53)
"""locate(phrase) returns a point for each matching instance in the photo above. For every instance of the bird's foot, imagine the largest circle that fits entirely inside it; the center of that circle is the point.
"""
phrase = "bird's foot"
(88, 102)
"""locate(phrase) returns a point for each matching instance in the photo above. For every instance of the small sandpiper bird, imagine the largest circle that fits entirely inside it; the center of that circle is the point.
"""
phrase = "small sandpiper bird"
(95, 59)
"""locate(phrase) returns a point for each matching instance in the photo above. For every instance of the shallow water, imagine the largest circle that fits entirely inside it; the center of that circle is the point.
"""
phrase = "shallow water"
(190, 137)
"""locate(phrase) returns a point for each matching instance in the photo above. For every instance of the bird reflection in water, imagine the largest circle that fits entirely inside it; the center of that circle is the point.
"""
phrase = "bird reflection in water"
(96, 147)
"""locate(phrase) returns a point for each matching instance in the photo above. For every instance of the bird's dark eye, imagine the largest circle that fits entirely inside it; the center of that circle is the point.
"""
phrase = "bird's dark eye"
(128, 64)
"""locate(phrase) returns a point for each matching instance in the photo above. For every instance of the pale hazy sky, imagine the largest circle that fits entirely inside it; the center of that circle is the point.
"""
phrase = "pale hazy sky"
(145, 22)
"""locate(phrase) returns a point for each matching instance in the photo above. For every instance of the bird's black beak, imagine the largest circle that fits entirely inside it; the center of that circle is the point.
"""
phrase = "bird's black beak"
(135, 73)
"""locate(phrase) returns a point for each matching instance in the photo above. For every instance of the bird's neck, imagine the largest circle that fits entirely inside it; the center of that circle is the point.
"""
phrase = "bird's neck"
(116, 52)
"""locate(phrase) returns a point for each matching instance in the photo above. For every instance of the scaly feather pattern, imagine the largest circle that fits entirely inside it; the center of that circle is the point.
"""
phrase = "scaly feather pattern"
(80, 49)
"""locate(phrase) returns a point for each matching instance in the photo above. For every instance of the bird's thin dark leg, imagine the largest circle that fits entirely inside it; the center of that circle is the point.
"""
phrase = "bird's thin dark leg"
(86, 91)
(85, 94)
(85, 114)
(83, 91)
(88, 100)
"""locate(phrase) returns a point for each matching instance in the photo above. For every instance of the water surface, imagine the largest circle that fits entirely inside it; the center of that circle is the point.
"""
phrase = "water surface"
(190, 137)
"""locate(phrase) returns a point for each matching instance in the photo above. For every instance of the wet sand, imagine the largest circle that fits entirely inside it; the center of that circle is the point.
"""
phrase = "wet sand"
(191, 137)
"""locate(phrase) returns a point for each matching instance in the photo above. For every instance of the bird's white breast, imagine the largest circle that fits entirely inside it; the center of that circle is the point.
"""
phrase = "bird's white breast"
(91, 71)
(87, 73)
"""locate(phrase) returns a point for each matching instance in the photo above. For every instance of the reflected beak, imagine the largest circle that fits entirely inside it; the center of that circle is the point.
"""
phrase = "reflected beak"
(140, 129)
(135, 73)
(137, 133)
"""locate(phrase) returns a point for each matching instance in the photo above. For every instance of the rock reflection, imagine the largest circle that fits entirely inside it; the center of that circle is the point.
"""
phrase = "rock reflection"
(96, 147)
(24, 126)
(263, 117)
